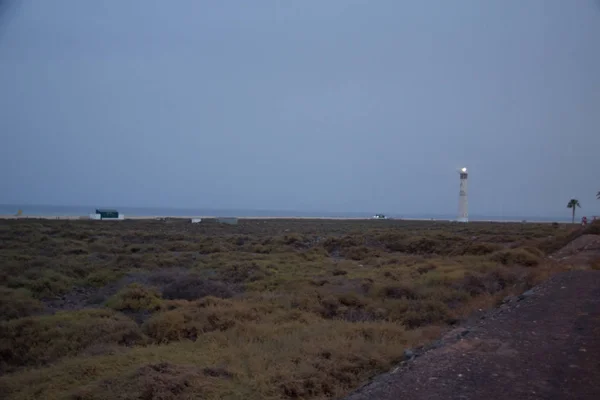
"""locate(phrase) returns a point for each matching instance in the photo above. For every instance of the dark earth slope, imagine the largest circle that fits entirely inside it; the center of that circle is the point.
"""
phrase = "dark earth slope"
(543, 345)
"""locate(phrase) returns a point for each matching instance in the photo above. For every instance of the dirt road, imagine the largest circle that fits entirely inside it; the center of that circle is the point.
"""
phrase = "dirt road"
(544, 345)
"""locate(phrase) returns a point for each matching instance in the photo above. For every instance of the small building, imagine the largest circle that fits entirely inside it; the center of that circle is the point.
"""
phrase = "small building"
(106, 214)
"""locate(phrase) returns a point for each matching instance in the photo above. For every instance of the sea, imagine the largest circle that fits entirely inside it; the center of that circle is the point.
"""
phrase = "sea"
(55, 210)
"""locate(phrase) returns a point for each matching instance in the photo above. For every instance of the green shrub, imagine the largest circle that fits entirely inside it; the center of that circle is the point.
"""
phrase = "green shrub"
(333, 244)
(393, 241)
(399, 291)
(34, 341)
(43, 283)
(426, 312)
(170, 326)
(207, 315)
(423, 245)
(351, 300)
(339, 272)
(359, 253)
(491, 282)
(102, 277)
(293, 239)
(242, 273)
(479, 249)
(17, 303)
(516, 256)
(162, 381)
(533, 250)
(425, 268)
(135, 297)
(192, 287)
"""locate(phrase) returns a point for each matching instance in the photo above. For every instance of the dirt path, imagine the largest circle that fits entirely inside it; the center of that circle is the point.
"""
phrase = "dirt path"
(544, 345)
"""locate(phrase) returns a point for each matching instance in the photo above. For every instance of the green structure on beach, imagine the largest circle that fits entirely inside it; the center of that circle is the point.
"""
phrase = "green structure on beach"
(107, 214)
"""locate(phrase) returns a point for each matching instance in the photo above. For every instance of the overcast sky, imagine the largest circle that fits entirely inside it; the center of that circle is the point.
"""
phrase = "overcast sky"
(302, 105)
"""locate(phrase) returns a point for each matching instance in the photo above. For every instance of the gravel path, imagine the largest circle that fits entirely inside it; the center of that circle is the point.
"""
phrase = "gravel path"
(543, 345)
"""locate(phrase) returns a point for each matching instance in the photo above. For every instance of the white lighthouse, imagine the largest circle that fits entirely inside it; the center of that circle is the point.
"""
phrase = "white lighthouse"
(463, 210)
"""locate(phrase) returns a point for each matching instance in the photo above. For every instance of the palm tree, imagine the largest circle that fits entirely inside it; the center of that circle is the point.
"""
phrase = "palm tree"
(598, 195)
(573, 204)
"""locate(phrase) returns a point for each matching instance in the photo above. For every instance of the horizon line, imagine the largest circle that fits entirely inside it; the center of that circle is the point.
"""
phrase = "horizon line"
(263, 210)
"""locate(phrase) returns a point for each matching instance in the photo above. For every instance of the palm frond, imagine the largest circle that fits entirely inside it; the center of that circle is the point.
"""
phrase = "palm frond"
(573, 203)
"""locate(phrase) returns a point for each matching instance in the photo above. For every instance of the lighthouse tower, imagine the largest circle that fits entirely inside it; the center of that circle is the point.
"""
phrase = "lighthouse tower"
(463, 211)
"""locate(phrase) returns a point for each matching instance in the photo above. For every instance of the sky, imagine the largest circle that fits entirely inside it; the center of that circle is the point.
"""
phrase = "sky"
(338, 105)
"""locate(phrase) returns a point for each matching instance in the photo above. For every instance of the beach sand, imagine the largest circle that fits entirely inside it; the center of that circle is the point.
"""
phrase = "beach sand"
(158, 217)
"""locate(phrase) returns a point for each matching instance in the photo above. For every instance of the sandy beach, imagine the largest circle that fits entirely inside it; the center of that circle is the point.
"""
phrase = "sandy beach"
(146, 217)
(158, 217)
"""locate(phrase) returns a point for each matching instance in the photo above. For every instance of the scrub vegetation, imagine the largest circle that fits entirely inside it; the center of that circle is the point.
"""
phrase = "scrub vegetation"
(266, 309)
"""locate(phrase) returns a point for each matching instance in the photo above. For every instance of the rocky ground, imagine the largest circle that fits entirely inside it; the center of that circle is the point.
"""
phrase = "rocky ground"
(544, 344)
(584, 250)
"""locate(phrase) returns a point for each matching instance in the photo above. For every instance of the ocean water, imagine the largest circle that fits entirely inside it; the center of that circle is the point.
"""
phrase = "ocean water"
(49, 210)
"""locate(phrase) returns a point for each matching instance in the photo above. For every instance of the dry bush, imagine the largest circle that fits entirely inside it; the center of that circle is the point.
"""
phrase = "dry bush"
(479, 249)
(390, 275)
(322, 359)
(392, 240)
(423, 269)
(453, 297)
(533, 250)
(102, 277)
(334, 306)
(196, 318)
(352, 299)
(516, 257)
(319, 281)
(338, 244)
(17, 303)
(339, 272)
(192, 287)
(397, 291)
(426, 312)
(135, 297)
(162, 381)
(258, 248)
(418, 313)
(491, 282)
(40, 340)
(241, 273)
(314, 254)
(425, 245)
(328, 307)
(42, 283)
(359, 253)
(416, 244)
(296, 240)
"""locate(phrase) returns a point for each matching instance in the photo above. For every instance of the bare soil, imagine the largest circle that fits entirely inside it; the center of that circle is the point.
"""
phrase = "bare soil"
(544, 344)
